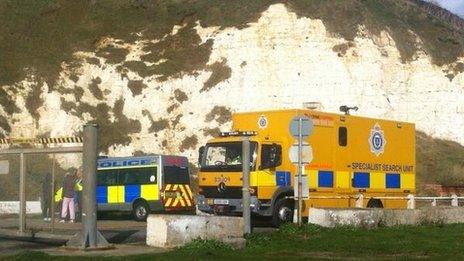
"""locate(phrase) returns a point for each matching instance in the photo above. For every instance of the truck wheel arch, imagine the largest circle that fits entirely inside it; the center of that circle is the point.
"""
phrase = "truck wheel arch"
(281, 192)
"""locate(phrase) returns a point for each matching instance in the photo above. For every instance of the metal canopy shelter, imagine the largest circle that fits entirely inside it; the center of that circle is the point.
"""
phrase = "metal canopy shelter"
(89, 237)
(22, 176)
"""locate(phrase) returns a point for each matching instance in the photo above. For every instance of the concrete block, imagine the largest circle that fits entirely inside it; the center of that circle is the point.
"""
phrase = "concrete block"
(12, 207)
(170, 231)
(344, 217)
(370, 218)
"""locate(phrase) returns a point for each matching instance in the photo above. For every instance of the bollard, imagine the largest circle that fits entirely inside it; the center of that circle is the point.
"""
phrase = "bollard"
(22, 194)
(360, 201)
(434, 202)
(411, 202)
(454, 200)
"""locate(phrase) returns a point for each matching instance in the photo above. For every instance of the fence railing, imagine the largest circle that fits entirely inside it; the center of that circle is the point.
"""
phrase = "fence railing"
(411, 199)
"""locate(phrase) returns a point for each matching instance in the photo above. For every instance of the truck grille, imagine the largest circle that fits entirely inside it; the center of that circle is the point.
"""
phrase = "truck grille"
(229, 192)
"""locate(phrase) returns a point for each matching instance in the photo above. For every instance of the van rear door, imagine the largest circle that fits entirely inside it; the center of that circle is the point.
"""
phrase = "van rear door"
(177, 193)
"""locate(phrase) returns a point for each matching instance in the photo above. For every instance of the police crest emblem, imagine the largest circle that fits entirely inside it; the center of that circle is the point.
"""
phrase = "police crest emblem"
(377, 140)
(262, 122)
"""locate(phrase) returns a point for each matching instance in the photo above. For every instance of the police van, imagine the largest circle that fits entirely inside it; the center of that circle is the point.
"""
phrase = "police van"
(154, 183)
(144, 184)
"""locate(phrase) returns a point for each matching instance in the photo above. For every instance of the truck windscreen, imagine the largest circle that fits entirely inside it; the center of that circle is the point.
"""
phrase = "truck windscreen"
(226, 157)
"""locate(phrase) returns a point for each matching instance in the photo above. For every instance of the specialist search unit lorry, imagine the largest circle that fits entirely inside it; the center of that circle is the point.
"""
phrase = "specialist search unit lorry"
(351, 155)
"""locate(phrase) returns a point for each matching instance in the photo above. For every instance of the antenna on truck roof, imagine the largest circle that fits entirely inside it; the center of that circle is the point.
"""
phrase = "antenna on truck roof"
(347, 109)
(313, 105)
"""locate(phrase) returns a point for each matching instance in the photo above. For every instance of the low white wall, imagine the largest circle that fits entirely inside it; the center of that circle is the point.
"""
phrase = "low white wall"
(12, 207)
(169, 231)
(385, 217)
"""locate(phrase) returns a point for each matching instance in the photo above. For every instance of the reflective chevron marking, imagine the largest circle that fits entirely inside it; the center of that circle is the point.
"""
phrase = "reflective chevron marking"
(183, 196)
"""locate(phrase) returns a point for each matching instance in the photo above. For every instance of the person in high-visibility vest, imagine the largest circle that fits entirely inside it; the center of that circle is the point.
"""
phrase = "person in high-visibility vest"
(68, 198)
(78, 193)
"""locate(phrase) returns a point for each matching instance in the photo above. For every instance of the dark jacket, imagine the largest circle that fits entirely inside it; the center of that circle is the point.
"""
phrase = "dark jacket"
(68, 186)
(47, 188)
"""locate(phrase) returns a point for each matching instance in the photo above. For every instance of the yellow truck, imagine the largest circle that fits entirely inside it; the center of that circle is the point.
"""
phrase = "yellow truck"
(351, 156)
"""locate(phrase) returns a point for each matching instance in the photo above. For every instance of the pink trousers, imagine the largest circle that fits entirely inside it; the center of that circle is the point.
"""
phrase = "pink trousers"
(68, 203)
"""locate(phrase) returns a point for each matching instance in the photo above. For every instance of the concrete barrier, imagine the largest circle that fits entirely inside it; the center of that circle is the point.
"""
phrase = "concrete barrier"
(370, 218)
(12, 207)
(170, 231)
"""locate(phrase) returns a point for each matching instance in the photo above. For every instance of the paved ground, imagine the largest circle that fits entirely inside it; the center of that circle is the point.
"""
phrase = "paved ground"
(12, 247)
(127, 236)
(9, 247)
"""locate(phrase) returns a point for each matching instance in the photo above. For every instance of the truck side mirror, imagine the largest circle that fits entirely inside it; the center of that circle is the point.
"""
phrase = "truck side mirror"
(201, 151)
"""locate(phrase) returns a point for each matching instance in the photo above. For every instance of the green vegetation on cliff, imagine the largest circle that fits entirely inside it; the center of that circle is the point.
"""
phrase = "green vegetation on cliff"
(39, 38)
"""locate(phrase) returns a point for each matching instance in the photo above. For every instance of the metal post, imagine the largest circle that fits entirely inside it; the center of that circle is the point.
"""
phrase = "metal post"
(454, 200)
(359, 201)
(246, 185)
(52, 206)
(411, 202)
(89, 211)
(22, 194)
(89, 236)
(300, 172)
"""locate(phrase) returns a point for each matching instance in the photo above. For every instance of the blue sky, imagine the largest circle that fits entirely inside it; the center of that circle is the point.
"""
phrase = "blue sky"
(455, 6)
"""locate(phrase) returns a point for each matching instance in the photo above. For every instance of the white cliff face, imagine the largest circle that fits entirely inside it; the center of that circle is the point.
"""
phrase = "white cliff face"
(278, 62)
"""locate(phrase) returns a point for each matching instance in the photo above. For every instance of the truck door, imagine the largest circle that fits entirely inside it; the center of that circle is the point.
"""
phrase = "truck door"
(270, 160)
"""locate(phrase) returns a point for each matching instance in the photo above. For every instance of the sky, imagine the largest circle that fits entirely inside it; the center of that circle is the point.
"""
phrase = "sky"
(455, 6)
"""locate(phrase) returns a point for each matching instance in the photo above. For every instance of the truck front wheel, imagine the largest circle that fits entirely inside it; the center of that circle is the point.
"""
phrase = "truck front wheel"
(283, 211)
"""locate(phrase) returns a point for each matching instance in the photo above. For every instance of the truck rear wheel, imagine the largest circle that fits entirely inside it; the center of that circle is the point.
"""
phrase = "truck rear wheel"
(283, 211)
(375, 203)
(140, 211)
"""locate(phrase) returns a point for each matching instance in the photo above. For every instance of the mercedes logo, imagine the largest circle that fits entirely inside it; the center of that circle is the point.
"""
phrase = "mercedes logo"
(222, 187)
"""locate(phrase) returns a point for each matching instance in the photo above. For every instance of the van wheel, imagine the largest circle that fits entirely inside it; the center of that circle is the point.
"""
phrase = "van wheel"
(283, 211)
(374, 203)
(140, 211)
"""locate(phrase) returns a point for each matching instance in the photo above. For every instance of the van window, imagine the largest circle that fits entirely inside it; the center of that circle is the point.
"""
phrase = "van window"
(137, 176)
(342, 136)
(107, 177)
(271, 156)
(176, 175)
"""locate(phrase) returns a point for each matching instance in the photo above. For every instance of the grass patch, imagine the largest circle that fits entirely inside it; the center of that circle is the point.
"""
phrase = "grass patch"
(220, 72)
(313, 242)
(38, 36)
(189, 142)
(439, 161)
(219, 113)
(136, 87)
(180, 96)
(95, 90)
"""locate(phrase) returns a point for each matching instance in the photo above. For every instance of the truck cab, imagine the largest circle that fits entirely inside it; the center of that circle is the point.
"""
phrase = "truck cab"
(220, 175)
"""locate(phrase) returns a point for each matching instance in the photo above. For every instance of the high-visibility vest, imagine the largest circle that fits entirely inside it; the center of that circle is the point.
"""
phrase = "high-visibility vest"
(78, 185)
(59, 195)
(59, 192)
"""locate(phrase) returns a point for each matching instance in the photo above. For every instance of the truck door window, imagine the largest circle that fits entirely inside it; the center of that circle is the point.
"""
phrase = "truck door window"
(342, 136)
(271, 156)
